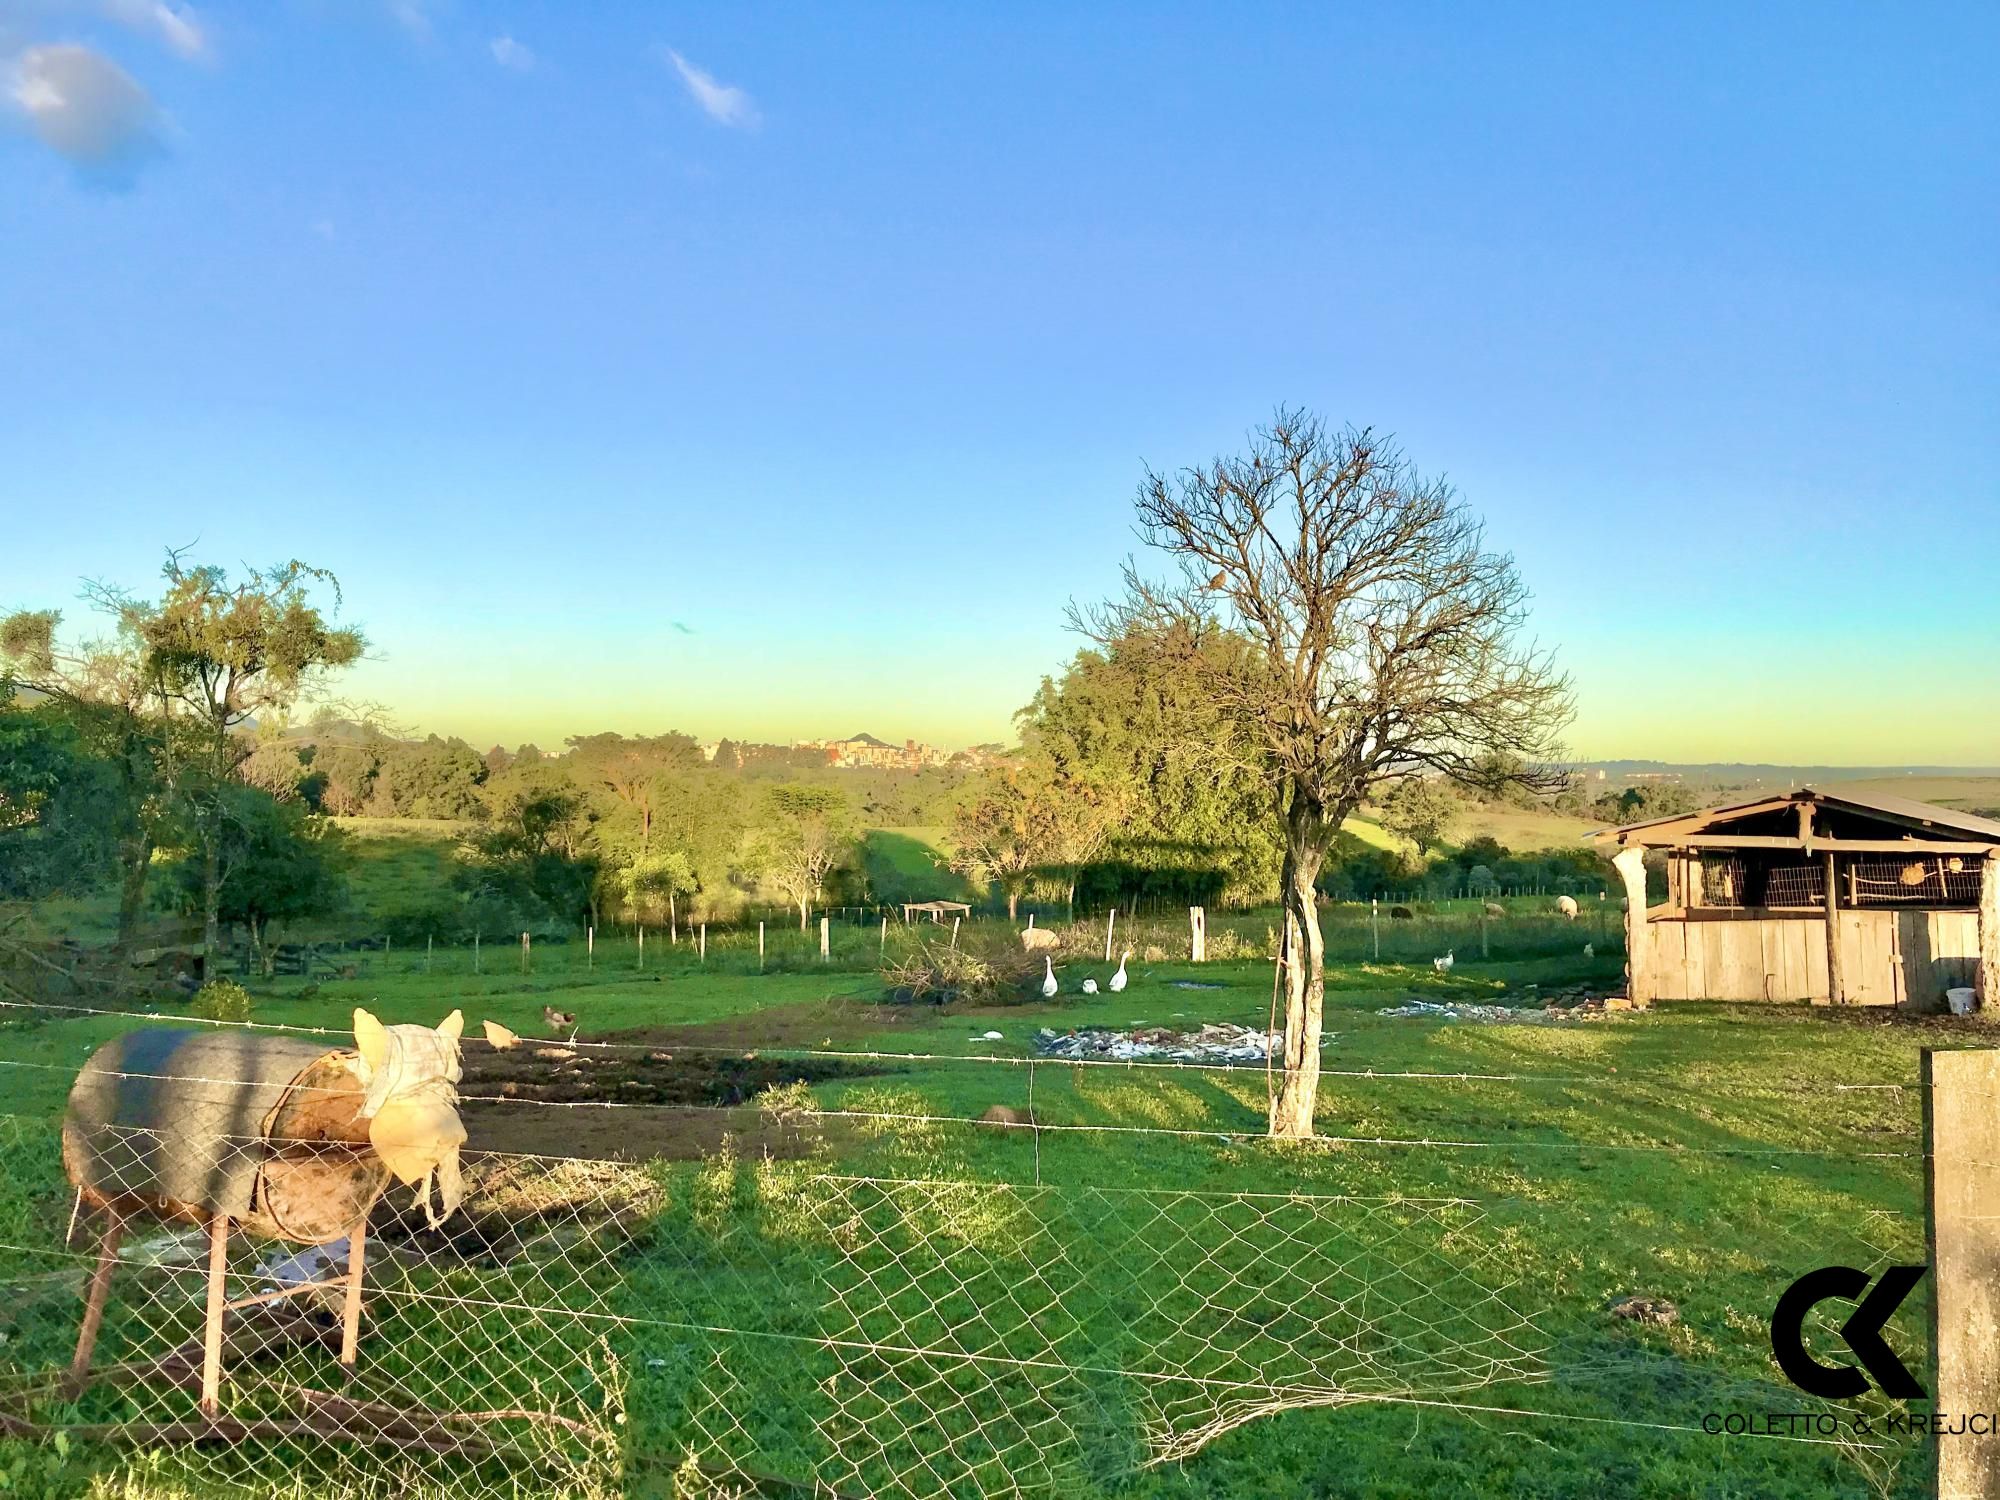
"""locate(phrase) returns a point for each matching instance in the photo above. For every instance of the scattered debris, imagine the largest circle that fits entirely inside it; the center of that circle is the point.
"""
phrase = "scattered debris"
(1530, 1005)
(1645, 1308)
(1468, 1011)
(1217, 1042)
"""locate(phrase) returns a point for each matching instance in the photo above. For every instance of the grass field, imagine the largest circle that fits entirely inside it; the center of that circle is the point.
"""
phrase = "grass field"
(1697, 1153)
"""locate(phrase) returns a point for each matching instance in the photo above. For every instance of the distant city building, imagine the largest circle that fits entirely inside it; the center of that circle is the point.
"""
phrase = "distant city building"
(861, 750)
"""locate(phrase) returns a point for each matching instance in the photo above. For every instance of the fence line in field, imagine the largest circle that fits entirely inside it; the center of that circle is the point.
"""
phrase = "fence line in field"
(927, 1336)
(1625, 1078)
(1036, 1127)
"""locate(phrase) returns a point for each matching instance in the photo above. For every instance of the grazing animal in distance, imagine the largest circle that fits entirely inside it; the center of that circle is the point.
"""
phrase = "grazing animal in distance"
(1049, 985)
(1039, 940)
(1443, 964)
(1495, 909)
(1118, 979)
(1567, 906)
(1090, 986)
(1401, 914)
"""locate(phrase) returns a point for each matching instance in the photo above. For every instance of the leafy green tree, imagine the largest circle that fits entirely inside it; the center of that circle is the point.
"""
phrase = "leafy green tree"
(58, 806)
(279, 768)
(1421, 809)
(630, 770)
(100, 688)
(437, 779)
(538, 851)
(276, 862)
(220, 654)
(1131, 725)
(652, 883)
(345, 776)
(801, 834)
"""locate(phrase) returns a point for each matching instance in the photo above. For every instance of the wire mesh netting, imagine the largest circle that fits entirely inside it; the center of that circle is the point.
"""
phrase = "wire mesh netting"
(752, 1322)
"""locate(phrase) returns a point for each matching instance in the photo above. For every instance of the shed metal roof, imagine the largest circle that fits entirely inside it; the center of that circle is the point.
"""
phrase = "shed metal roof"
(1920, 818)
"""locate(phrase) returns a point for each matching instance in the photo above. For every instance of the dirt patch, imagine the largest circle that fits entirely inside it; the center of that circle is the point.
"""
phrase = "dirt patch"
(543, 1098)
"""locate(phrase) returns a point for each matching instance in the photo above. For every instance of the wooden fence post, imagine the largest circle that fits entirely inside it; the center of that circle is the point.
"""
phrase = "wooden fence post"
(1109, 925)
(590, 947)
(1961, 1094)
(642, 947)
(475, 953)
(1375, 925)
(760, 945)
(703, 942)
(1482, 929)
(1836, 978)
(1197, 935)
(527, 954)
(428, 938)
(1989, 935)
(825, 940)
(1631, 866)
(954, 932)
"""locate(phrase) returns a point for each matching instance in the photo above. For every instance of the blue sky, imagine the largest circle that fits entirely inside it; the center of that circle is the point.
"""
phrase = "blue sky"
(784, 372)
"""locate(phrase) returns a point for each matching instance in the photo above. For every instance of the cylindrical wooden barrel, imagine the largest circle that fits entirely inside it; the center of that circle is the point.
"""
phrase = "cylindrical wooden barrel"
(191, 1124)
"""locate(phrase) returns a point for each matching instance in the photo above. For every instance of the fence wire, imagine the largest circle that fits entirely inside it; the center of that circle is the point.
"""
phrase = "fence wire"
(753, 1325)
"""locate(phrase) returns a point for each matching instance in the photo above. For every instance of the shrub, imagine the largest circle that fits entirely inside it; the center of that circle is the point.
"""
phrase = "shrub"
(221, 1000)
(983, 975)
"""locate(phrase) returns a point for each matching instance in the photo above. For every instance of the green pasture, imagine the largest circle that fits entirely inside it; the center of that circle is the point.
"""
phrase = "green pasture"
(1705, 1154)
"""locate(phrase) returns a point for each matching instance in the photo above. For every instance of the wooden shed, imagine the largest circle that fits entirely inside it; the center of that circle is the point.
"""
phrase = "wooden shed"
(1833, 896)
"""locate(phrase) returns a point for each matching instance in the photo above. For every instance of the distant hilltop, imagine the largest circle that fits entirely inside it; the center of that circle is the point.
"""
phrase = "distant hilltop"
(1753, 773)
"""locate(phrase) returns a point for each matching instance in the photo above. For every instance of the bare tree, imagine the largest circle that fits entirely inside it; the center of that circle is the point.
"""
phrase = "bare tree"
(1383, 639)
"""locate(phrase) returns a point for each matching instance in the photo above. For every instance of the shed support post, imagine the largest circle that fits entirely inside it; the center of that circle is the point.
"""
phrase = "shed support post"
(1836, 981)
(211, 1345)
(1197, 935)
(1962, 1221)
(1989, 934)
(94, 1299)
(1630, 863)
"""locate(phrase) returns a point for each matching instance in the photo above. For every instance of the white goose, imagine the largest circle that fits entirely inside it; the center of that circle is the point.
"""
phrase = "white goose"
(1049, 985)
(1117, 984)
(1443, 965)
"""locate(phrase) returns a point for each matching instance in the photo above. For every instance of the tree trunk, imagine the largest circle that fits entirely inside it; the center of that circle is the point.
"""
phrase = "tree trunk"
(1302, 970)
(136, 855)
(1013, 906)
(211, 895)
(805, 910)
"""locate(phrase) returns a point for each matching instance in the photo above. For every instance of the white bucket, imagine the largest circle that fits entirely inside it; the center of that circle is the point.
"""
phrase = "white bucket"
(1962, 1001)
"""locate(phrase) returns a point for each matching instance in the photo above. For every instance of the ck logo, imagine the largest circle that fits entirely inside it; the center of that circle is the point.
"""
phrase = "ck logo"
(1862, 1331)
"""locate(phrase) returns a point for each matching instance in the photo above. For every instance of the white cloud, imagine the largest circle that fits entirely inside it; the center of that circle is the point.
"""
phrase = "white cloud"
(86, 109)
(511, 54)
(412, 17)
(176, 25)
(723, 103)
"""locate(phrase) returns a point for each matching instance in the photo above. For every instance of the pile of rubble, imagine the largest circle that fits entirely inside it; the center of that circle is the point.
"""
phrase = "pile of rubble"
(1531, 1007)
(1217, 1042)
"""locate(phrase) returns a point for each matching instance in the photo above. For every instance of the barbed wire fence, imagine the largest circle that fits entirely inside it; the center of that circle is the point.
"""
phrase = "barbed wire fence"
(761, 1320)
